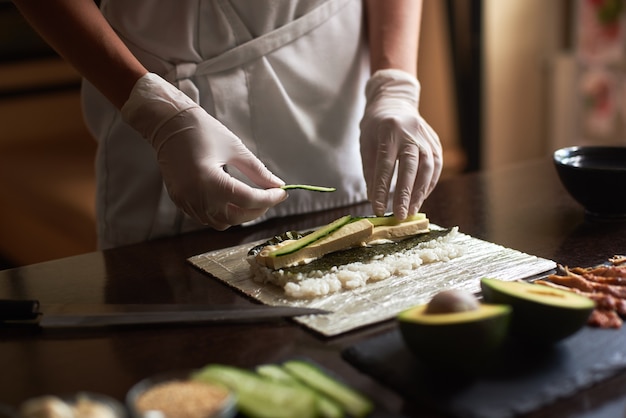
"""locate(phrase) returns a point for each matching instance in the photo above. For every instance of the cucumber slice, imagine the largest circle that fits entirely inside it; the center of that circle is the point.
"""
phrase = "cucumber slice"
(308, 187)
(354, 403)
(276, 373)
(312, 237)
(388, 220)
(258, 397)
(326, 407)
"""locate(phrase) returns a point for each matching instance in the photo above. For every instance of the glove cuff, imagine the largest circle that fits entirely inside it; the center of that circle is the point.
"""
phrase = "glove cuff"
(152, 102)
(391, 81)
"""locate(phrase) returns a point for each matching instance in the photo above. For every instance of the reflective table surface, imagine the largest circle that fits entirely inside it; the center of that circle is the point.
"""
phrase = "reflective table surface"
(523, 207)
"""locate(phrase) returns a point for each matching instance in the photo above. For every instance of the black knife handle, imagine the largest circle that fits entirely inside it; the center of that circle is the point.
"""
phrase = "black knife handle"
(18, 310)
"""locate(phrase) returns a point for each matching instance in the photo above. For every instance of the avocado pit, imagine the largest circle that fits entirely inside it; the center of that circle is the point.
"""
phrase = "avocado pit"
(450, 301)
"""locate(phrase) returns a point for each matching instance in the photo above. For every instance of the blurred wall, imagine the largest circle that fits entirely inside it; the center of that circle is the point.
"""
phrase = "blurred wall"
(523, 43)
(438, 96)
(47, 208)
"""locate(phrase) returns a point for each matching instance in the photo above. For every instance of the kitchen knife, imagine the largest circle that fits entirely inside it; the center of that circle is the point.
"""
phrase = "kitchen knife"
(31, 312)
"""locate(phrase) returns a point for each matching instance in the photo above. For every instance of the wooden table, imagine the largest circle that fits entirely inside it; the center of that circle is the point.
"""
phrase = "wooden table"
(522, 207)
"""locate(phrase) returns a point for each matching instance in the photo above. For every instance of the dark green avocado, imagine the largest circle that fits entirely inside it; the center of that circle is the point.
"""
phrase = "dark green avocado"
(457, 340)
(541, 314)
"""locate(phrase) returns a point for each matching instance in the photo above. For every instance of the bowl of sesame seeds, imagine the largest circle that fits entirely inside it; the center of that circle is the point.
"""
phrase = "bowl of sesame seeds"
(177, 395)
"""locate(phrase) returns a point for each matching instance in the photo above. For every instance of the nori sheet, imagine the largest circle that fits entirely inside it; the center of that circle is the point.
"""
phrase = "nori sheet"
(352, 255)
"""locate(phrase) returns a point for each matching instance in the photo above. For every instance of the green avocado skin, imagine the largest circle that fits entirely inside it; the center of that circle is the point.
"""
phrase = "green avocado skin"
(463, 347)
(537, 323)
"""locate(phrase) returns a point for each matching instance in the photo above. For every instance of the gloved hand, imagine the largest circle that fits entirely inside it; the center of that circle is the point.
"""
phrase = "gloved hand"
(393, 133)
(192, 149)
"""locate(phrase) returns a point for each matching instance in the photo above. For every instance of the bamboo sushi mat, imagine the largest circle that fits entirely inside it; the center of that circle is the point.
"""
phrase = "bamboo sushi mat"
(383, 300)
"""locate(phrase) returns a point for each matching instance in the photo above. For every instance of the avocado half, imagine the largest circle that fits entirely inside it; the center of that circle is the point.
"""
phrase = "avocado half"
(456, 341)
(541, 314)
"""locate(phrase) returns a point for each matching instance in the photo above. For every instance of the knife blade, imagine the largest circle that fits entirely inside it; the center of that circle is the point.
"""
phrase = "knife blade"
(84, 315)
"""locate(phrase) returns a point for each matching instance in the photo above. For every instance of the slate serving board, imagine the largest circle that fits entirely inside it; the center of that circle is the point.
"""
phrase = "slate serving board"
(523, 380)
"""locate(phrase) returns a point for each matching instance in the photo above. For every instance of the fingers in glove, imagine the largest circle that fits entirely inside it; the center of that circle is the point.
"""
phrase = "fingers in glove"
(429, 166)
(246, 197)
(407, 188)
(223, 217)
(241, 203)
(232, 215)
(383, 175)
(437, 153)
(214, 216)
(237, 215)
(421, 184)
(212, 199)
(253, 168)
(368, 157)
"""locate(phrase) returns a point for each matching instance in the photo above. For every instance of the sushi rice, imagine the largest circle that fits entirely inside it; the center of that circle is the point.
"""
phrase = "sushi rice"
(354, 275)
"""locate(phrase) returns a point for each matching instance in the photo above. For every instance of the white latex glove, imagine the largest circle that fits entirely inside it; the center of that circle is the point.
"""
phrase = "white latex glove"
(193, 149)
(393, 133)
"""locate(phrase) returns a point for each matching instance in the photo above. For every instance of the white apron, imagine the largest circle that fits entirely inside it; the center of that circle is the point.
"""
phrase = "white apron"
(286, 76)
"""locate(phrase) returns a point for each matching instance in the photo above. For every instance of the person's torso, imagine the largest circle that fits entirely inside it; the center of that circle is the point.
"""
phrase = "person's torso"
(285, 76)
(154, 25)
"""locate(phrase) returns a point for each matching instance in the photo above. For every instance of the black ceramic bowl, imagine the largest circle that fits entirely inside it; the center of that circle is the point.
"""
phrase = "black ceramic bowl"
(595, 176)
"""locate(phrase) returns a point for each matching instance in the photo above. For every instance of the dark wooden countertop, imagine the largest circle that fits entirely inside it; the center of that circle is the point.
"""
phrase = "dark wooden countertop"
(522, 207)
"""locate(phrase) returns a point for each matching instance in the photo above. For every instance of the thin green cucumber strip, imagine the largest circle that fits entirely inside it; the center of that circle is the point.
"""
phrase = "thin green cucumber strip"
(312, 237)
(326, 407)
(276, 373)
(308, 187)
(390, 220)
(258, 397)
(353, 402)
